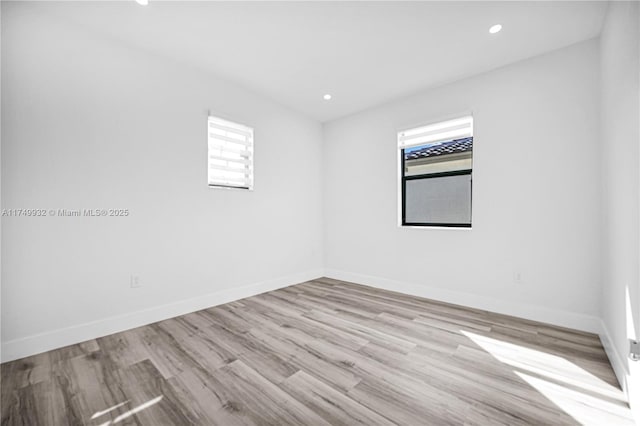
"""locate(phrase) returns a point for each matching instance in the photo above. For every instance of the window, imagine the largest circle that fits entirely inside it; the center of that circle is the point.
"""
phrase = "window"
(436, 165)
(230, 154)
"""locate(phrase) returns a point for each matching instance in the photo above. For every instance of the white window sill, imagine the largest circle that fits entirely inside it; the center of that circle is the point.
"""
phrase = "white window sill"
(437, 228)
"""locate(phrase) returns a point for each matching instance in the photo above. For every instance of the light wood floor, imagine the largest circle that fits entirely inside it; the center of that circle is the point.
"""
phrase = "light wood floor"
(318, 353)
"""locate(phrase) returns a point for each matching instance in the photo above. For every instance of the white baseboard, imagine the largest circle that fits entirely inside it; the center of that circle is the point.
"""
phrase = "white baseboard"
(31, 345)
(560, 318)
(620, 368)
(617, 361)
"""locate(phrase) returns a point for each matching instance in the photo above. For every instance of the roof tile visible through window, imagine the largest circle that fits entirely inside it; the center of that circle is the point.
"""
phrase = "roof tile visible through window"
(444, 148)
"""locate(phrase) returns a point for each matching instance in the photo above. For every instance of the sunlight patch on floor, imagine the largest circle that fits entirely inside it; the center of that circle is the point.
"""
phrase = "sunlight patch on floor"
(573, 389)
(108, 410)
(126, 414)
(544, 364)
(585, 409)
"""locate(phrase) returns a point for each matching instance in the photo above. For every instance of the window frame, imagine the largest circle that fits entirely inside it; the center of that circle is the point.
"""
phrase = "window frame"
(240, 127)
(403, 187)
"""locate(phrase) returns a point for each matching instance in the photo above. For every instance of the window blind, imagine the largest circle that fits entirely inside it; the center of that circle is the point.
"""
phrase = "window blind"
(440, 132)
(230, 154)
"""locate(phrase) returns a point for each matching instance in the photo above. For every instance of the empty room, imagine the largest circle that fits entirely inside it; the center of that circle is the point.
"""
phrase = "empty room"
(320, 213)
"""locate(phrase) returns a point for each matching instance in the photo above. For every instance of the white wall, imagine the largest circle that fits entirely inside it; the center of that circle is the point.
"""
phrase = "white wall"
(89, 123)
(620, 49)
(142, 146)
(536, 194)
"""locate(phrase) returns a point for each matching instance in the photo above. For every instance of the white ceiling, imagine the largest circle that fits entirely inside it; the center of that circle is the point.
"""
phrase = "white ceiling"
(363, 53)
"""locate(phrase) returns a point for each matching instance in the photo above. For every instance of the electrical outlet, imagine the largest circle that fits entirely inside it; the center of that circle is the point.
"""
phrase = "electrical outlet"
(517, 277)
(135, 281)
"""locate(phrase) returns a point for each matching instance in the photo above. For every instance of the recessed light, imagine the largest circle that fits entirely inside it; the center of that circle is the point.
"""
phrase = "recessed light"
(327, 97)
(495, 28)
(142, 2)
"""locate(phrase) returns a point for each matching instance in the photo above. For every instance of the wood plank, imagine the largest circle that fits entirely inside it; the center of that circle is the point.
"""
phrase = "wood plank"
(333, 406)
